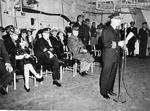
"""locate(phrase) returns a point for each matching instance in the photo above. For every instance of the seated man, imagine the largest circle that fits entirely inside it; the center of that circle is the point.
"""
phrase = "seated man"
(79, 51)
(44, 53)
(5, 66)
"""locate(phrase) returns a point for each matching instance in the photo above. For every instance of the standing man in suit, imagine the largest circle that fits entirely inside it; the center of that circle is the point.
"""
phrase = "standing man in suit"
(5, 66)
(86, 32)
(111, 55)
(93, 34)
(79, 22)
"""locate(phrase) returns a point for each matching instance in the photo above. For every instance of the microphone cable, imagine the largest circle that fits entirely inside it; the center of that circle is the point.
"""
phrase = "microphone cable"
(124, 64)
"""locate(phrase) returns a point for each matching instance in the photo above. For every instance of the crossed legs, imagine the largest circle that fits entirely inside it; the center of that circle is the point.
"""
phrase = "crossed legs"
(27, 69)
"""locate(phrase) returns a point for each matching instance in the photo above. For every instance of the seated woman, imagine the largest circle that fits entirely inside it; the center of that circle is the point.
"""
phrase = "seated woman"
(37, 36)
(79, 51)
(19, 47)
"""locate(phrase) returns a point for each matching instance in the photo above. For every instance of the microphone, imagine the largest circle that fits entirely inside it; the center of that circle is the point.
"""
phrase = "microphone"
(119, 98)
(125, 30)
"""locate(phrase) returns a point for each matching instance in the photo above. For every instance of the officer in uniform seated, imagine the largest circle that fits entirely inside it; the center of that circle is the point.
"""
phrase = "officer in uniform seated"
(45, 55)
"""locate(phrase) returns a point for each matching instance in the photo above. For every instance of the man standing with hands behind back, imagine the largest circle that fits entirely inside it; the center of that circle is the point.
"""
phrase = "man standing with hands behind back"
(111, 55)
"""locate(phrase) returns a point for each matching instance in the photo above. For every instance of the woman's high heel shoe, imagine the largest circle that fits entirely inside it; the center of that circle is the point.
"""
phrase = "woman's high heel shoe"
(27, 90)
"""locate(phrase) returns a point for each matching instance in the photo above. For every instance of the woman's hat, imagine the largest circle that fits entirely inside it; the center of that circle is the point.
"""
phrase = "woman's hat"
(12, 29)
(9, 28)
(54, 29)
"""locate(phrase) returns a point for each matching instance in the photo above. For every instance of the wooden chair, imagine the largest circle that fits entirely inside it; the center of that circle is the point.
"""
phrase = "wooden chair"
(18, 77)
(45, 70)
(21, 76)
(97, 53)
(70, 64)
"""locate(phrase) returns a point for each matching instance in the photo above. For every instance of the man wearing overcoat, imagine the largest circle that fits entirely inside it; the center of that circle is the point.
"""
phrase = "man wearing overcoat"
(110, 56)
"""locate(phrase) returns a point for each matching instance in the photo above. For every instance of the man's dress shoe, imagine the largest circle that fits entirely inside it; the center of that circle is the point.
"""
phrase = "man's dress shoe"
(57, 83)
(106, 96)
(112, 94)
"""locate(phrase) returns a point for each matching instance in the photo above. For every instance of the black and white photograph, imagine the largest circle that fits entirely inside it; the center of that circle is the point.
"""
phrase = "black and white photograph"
(75, 55)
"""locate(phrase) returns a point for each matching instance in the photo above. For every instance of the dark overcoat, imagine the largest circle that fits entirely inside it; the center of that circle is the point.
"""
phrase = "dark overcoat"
(109, 35)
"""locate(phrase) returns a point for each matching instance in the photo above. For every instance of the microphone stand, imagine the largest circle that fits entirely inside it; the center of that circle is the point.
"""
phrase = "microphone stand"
(121, 70)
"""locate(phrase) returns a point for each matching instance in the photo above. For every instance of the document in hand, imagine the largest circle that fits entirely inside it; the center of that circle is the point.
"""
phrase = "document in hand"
(130, 35)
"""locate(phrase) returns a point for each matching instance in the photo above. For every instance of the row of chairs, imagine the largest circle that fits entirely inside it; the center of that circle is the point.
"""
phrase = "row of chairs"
(44, 70)
(70, 64)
